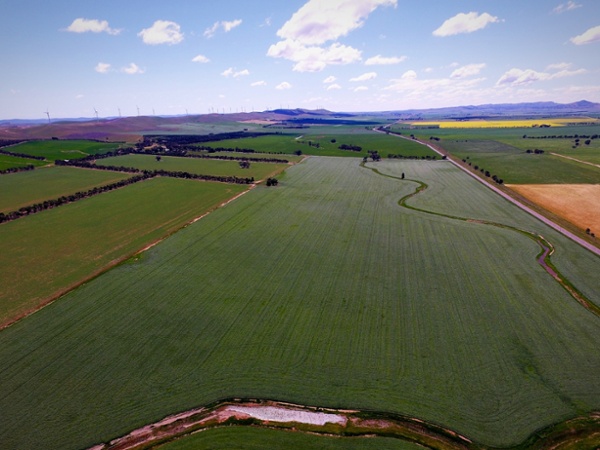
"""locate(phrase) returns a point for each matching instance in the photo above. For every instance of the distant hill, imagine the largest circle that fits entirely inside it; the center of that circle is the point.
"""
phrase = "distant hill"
(132, 128)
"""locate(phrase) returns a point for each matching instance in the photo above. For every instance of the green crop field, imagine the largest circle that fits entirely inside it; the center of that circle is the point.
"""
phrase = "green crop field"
(9, 162)
(258, 170)
(320, 291)
(35, 186)
(288, 157)
(515, 166)
(259, 439)
(328, 144)
(43, 254)
(64, 149)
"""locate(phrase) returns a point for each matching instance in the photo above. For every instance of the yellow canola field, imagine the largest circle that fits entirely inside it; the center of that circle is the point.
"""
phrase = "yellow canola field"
(525, 123)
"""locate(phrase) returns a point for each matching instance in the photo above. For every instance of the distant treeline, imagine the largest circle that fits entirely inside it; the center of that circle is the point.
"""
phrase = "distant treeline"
(563, 136)
(354, 148)
(186, 139)
(22, 155)
(396, 156)
(65, 199)
(163, 173)
(8, 142)
(17, 169)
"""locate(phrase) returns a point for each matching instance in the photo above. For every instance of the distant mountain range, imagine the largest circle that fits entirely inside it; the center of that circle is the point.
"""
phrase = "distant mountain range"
(128, 128)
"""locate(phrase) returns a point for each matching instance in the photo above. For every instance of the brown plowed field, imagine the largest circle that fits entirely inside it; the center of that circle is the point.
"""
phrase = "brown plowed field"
(577, 203)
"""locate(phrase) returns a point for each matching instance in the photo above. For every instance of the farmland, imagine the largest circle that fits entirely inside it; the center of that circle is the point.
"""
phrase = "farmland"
(63, 149)
(10, 162)
(45, 254)
(26, 188)
(328, 143)
(258, 170)
(322, 291)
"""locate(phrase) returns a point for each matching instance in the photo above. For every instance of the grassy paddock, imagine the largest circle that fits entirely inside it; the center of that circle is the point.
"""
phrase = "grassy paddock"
(515, 166)
(258, 170)
(321, 291)
(43, 254)
(9, 162)
(367, 139)
(26, 188)
(63, 149)
(233, 437)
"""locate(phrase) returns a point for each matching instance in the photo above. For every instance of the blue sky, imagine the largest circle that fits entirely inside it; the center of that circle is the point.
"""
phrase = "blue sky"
(69, 57)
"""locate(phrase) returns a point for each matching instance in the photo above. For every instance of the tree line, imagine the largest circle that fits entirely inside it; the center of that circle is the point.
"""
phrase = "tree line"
(65, 199)
(22, 155)
(162, 173)
(17, 169)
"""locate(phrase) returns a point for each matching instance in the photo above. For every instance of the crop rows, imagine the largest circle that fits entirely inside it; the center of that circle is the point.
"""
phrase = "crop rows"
(322, 291)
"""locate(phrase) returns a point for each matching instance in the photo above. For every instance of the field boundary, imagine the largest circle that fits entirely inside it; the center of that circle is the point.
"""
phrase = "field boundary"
(587, 245)
(583, 430)
(543, 258)
(575, 159)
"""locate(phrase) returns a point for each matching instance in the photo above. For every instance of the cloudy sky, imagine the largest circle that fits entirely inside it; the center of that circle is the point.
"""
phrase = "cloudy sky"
(71, 57)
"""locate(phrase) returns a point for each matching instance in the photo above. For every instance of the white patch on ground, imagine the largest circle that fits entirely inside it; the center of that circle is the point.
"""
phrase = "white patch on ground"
(275, 414)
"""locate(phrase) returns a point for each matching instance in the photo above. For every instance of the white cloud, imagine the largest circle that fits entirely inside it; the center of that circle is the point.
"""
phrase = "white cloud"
(102, 67)
(329, 79)
(559, 66)
(519, 77)
(82, 25)
(365, 77)
(162, 32)
(564, 7)
(200, 59)
(318, 22)
(132, 69)
(313, 58)
(283, 85)
(465, 23)
(232, 73)
(360, 88)
(591, 35)
(333, 87)
(383, 61)
(467, 71)
(227, 26)
(258, 83)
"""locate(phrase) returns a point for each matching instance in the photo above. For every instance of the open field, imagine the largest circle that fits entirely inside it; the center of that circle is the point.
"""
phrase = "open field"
(26, 188)
(577, 203)
(260, 439)
(515, 166)
(63, 149)
(522, 123)
(201, 166)
(289, 157)
(321, 291)
(328, 144)
(44, 254)
(9, 162)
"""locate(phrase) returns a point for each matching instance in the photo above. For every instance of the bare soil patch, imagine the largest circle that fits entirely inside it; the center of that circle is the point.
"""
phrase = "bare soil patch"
(576, 203)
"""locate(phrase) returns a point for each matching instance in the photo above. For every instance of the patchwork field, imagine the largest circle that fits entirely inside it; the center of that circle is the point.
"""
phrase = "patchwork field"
(63, 149)
(201, 166)
(10, 162)
(321, 291)
(533, 123)
(26, 188)
(44, 254)
(329, 142)
(577, 203)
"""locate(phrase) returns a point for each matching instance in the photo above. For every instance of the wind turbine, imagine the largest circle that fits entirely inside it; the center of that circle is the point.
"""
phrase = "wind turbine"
(48, 114)
(96, 113)
(119, 111)
(138, 110)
